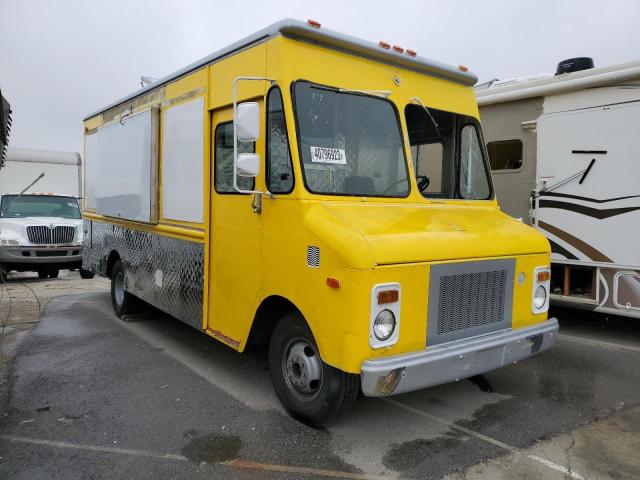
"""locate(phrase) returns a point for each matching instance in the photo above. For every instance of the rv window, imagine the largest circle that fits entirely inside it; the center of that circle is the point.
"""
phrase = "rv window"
(279, 170)
(505, 154)
(224, 160)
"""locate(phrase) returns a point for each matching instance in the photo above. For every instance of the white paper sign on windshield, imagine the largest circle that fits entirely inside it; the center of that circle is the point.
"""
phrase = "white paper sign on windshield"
(328, 155)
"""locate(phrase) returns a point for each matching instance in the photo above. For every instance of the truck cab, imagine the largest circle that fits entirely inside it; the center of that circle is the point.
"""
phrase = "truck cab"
(40, 233)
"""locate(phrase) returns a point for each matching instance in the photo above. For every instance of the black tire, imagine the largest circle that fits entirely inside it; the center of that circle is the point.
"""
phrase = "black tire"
(121, 300)
(53, 273)
(43, 274)
(3, 273)
(86, 274)
(336, 391)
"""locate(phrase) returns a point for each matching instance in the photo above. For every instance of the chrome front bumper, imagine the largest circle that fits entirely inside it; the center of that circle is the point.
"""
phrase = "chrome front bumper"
(454, 361)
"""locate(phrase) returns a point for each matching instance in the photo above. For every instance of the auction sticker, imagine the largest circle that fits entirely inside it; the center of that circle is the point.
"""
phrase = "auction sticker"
(328, 155)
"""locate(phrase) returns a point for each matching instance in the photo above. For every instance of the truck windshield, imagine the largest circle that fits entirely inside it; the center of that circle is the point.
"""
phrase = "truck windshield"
(350, 143)
(447, 154)
(39, 206)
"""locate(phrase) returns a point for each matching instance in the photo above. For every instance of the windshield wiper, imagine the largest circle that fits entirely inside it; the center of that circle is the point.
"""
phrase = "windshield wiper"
(433, 120)
(378, 93)
(20, 194)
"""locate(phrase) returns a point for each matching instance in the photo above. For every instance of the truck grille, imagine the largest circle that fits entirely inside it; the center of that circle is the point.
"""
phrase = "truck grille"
(469, 299)
(43, 235)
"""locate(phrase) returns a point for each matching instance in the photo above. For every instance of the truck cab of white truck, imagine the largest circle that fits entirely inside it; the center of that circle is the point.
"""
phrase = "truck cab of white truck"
(40, 232)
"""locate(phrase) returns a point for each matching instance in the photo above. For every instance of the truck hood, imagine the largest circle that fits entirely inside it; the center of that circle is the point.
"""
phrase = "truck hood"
(366, 235)
(7, 222)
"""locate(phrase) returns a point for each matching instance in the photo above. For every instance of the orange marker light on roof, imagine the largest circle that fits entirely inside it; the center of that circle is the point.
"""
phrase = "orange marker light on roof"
(411, 53)
(333, 282)
(388, 296)
(384, 44)
(313, 23)
(463, 68)
(398, 48)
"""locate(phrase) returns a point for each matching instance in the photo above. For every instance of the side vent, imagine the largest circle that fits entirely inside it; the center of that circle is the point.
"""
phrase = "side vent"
(313, 256)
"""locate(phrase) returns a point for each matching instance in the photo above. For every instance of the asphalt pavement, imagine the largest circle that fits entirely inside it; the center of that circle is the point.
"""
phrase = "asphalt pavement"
(88, 395)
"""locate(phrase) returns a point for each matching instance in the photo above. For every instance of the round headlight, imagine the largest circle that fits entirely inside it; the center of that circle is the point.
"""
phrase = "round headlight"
(539, 297)
(384, 325)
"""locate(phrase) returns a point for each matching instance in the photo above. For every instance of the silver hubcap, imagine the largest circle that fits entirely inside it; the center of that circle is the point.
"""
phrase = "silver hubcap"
(118, 286)
(302, 368)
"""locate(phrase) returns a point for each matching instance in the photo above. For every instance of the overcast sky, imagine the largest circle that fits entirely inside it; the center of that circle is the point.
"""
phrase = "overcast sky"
(62, 59)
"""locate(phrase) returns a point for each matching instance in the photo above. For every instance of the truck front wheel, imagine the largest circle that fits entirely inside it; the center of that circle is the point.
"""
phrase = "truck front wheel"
(121, 300)
(308, 388)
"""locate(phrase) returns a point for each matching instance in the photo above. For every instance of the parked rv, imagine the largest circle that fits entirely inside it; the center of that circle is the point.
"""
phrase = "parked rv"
(328, 196)
(563, 150)
(41, 232)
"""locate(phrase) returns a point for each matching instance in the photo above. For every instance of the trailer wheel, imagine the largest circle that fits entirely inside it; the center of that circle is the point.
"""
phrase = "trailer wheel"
(86, 274)
(308, 388)
(121, 300)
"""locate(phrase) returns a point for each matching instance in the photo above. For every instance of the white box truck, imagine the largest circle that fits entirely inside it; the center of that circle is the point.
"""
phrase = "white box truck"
(40, 220)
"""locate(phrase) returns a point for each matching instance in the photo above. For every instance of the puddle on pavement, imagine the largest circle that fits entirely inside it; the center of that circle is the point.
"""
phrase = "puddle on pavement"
(212, 448)
(407, 455)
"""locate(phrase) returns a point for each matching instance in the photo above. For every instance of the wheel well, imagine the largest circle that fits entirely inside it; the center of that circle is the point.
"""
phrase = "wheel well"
(113, 256)
(271, 310)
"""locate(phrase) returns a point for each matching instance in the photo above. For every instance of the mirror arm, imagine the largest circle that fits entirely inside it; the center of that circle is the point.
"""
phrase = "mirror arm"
(235, 137)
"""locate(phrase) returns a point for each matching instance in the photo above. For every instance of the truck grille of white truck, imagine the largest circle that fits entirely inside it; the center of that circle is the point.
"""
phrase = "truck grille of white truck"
(467, 299)
(43, 235)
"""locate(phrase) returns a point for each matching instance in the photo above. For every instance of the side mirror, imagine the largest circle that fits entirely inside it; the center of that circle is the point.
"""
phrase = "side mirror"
(248, 121)
(248, 165)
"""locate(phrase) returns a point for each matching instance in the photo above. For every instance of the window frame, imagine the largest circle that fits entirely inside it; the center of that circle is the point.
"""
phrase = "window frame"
(507, 170)
(215, 162)
(483, 151)
(267, 155)
(409, 177)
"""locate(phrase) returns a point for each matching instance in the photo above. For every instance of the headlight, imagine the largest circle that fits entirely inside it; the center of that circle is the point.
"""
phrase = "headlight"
(541, 289)
(384, 325)
(539, 297)
(8, 241)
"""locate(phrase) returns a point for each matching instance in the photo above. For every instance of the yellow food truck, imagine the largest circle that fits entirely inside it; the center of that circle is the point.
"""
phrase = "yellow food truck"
(328, 196)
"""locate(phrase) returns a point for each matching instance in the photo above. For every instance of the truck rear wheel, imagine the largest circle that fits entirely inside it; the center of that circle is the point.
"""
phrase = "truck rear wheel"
(121, 300)
(307, 387)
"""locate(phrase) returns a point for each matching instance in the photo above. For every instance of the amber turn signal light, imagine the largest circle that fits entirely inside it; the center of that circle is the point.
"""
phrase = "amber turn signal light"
(388, 296)
(333, 282)
(543, 276)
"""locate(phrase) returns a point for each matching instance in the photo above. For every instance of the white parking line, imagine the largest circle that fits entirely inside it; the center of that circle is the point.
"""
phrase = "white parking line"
(598, 343)
(236, 463)
(94, 448)
(548, 463)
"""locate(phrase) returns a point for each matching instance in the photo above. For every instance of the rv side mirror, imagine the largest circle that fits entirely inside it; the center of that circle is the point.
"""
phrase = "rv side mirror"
(248, 122)
(248, 165)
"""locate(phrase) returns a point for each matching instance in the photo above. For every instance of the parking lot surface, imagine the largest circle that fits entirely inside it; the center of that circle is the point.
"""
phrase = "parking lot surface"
(87, 395)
